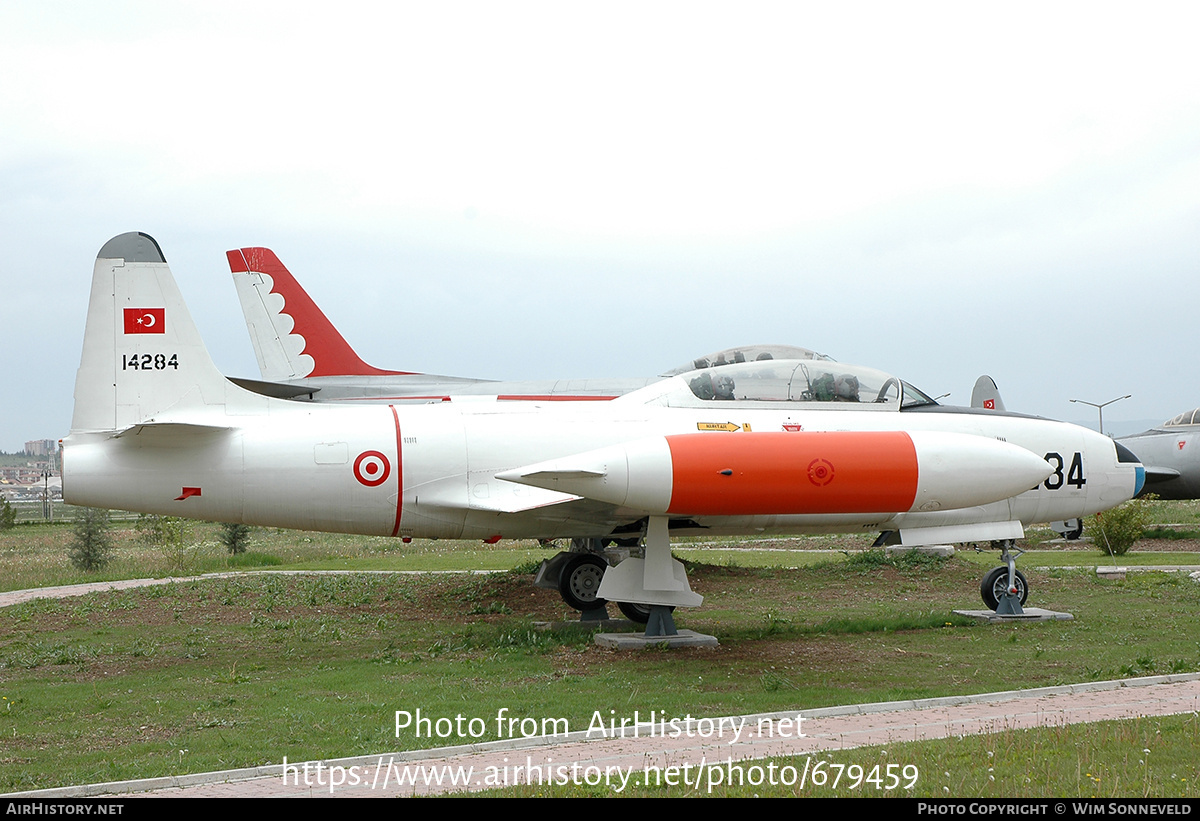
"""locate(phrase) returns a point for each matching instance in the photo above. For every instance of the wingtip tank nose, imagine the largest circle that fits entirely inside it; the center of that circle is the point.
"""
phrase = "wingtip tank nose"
(964, 470)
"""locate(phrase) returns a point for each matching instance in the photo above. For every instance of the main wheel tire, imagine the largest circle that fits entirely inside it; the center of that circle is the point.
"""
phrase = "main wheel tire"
(639, 613)
(995, 585)
(580, 579)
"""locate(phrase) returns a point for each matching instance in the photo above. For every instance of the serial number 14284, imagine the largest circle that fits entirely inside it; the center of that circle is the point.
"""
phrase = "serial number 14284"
(149, 362)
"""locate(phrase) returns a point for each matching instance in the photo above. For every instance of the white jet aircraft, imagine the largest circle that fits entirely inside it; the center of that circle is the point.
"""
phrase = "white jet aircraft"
(778, 446)
(301, 354)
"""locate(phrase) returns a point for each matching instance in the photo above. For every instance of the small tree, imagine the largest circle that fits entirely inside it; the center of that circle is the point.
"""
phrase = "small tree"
(153, 529)
(1115, 531)
(8, 515)
(171, 534)
(90, 546)
(235, 537)
(174, 535)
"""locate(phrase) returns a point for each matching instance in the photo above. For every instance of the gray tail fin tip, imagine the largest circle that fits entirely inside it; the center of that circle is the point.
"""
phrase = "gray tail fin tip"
(133, 246)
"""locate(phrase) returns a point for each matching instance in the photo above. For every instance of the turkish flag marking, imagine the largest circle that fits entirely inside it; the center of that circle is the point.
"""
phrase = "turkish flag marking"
(145, 320)
(990, 404)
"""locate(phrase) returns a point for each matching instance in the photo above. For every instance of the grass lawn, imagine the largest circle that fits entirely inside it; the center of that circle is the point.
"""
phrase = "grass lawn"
(227, 672)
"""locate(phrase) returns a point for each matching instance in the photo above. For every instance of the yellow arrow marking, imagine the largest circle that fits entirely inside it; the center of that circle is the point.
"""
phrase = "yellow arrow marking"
(726, 426)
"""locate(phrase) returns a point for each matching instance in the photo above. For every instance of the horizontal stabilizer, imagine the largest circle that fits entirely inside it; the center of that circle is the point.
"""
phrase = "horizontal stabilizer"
(1154, 475)
(279, 390)
(162, 431)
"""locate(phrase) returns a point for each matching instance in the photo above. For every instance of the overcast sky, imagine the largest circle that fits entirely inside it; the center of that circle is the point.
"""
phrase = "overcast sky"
(537, 190)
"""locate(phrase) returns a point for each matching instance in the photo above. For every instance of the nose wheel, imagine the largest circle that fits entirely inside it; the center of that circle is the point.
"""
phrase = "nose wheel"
(1004, 588)
(995, 587)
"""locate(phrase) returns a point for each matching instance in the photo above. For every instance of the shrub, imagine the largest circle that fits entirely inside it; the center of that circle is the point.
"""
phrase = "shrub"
(172, 534)
(90, 546)
(175, 535)
(236, 538)
(8, 515)
(153, 529)
(1115, 531)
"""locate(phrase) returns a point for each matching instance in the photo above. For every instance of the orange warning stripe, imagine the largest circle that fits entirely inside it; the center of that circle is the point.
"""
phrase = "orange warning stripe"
(759, 474)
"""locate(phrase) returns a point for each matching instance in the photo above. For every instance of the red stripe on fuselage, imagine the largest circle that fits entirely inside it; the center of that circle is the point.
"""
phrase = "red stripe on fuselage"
(551, 397)
(399, 473)
(792, 473)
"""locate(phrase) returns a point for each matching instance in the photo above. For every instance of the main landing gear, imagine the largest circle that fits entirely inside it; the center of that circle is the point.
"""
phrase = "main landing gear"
(647, 590)
(1071, 529)
(1004, 588)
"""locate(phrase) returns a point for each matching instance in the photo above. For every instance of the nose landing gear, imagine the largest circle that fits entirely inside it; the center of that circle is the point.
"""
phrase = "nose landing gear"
(1004, 588)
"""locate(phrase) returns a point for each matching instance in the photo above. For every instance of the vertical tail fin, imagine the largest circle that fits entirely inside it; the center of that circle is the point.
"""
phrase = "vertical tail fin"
(142, 354)
(292, 337)
(986, 395)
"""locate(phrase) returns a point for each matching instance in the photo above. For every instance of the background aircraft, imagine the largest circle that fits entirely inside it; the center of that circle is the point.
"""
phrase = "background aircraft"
(302, 355)
(774, 446)
(1171, 454)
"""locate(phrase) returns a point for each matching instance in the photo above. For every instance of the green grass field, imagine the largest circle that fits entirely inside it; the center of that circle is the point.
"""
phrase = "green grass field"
(227, 672)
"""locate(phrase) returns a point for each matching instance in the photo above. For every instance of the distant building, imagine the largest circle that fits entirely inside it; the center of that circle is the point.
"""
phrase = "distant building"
(42, 447)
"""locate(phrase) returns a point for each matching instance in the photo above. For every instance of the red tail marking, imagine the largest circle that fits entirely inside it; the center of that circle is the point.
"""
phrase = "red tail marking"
(332, 355)
(188, 492)
(550, 397)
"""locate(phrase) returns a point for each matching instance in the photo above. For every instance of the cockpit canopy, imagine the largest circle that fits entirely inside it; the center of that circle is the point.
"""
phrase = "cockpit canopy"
(818, 381)
(748, 353)
(1191, 417)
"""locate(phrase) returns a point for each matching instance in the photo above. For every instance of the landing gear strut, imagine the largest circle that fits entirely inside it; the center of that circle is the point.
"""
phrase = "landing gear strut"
(655, 584)
(646, 589)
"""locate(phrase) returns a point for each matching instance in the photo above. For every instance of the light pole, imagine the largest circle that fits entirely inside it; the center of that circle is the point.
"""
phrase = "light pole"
(1101, 406)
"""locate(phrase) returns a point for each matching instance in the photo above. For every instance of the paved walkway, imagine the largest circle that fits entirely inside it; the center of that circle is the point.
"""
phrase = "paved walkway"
(687, 758)
(17, 596)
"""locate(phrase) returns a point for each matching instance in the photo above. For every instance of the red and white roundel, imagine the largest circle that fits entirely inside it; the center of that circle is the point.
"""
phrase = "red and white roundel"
(820, 472)
(372, 468)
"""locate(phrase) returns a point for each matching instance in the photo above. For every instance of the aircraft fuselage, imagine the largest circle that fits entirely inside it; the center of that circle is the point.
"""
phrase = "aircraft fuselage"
(431, 471)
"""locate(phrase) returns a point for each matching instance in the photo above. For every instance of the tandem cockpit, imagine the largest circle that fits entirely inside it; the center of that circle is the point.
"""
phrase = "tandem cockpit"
(816, 382)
